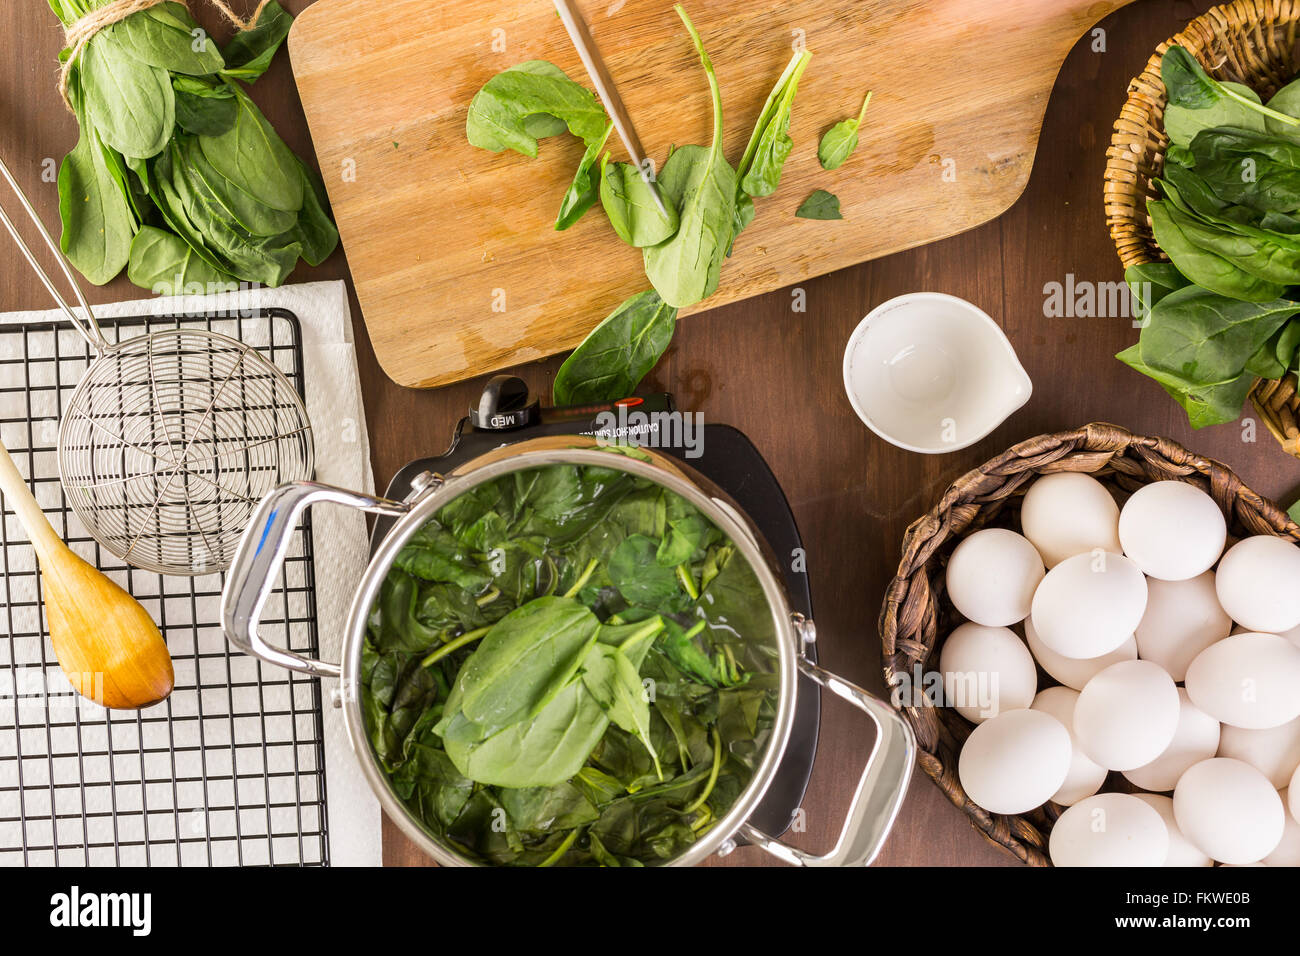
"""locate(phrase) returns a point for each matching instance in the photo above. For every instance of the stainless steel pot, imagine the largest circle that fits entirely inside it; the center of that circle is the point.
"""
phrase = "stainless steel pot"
(262, 550)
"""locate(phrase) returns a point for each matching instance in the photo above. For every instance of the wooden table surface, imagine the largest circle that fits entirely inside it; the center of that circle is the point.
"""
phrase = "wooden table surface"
(775, 373)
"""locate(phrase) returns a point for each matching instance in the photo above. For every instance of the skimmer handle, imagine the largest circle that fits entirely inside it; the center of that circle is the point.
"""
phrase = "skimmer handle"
(89, 329)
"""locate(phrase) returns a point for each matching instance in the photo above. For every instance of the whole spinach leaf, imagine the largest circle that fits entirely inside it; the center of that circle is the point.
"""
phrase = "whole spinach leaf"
(1254, 169)
(841, 140)
(617, 353)
(629, 203)
(1189, 87)
(131, 103)
(97, 222)
(1201, 338)
(610, 674)
(769, 145)
(254, 158)
(700, 182)
(166, 37)
(524, 661)
(500, 113)
(541, 752)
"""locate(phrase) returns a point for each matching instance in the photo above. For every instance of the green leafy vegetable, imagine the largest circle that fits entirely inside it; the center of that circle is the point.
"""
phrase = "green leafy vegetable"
(770, 144)
(628, 200)
(250, 52)
(617, 353)
(685, 220)
(176, 174)
(98, 224)
(820, 205)
(582, 194)
(501, 114)
(161, 262)
(1202, 338)
(1205, 405)
(841, 140)
(700, 182)
(1190, 88)
(611, 733)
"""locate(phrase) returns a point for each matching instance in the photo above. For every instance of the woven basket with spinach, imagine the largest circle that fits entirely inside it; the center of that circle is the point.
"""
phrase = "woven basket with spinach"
(1223, 311)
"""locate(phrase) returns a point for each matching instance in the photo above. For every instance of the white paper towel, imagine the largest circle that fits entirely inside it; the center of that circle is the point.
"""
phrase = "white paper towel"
(341, 546)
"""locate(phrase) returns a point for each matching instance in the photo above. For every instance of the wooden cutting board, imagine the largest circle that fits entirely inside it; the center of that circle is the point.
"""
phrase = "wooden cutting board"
(457, 266)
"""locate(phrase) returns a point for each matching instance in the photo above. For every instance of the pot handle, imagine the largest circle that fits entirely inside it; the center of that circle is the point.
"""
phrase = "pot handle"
(880, 791)
(260, 556)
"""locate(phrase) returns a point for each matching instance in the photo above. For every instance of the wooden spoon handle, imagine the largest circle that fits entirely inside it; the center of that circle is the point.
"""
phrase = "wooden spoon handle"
(19, 497)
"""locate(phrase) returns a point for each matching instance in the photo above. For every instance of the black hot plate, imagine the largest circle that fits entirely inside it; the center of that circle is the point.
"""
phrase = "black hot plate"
(508, 413)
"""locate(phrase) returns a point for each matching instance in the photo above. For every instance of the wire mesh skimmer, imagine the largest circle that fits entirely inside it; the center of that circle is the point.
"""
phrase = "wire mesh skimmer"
(171, 438)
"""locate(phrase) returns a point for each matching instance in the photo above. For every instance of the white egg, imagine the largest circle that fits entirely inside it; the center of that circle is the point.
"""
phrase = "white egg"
(1247, 680)
(1015, 761)
(992, 576)
(1274, 752)
(1075, 671)
(986, 670)
(1259, 584)
(1293, 795)
(1287, 852)
(1069, 513)
(1110, 829)
(1182, 619)
(1127, 715)
(1173, 530)
(1181, 851)
(1229, 810)
(1292, 635)
(1085, 776)
(1090, 604)
(1196, 739)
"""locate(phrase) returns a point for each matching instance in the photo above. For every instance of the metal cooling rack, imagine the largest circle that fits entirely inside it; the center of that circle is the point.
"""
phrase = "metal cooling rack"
(231, 768)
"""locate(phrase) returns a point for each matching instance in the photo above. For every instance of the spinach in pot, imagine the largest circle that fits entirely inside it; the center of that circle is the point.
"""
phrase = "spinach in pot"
(569, 665)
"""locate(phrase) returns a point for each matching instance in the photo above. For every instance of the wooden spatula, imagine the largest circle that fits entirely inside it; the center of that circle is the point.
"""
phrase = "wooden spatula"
(106, 643)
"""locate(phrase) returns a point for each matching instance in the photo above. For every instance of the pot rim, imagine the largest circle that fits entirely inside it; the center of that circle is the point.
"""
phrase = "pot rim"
(662, 470)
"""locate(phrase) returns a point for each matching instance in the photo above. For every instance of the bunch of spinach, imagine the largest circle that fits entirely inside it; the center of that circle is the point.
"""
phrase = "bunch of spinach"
(1224, 310)
(177, 176)
(577, 656)
(685, 220)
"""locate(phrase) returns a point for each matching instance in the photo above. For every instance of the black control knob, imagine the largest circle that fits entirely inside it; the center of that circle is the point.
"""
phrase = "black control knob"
(506, 404)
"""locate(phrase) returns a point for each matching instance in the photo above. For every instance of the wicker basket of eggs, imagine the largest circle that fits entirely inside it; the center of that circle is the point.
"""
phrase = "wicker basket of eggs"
(1116, 624)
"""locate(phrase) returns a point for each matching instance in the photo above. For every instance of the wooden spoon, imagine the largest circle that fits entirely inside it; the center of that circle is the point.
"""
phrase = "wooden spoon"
(107, 644)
